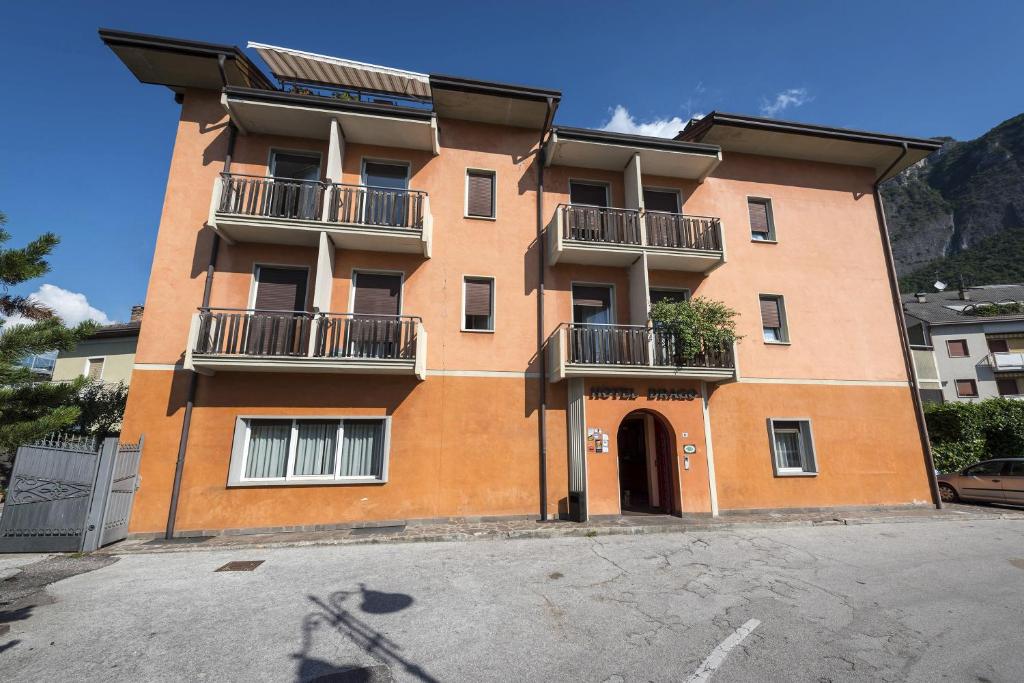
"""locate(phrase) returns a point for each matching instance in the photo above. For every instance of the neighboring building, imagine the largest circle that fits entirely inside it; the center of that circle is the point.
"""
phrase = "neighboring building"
(41, 365)
(107, 355)
(415, 310)
(965, 347)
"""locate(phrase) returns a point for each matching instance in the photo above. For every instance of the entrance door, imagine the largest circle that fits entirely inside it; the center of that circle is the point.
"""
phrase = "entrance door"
(375, 329)
(644, 452)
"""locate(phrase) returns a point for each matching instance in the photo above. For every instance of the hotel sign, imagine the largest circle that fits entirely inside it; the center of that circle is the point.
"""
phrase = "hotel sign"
(653, 394)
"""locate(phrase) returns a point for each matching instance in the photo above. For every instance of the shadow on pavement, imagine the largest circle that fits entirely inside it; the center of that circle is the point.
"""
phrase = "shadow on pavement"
(333, 614)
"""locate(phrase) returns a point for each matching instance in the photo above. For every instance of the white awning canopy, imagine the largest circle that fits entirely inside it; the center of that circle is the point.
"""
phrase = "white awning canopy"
(287, 64)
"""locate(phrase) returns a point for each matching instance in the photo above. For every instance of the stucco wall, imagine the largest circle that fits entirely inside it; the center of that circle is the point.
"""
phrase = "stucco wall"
(118, 358)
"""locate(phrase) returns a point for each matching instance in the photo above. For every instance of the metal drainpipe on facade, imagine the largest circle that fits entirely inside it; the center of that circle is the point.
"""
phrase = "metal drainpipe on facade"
(542, 428)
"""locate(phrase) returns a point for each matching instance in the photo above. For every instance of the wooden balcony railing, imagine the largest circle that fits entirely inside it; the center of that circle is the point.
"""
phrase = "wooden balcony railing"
(686, 232)
(347, 335)
(250, 195)
(281, 334)
(635, 345)
(599, 224)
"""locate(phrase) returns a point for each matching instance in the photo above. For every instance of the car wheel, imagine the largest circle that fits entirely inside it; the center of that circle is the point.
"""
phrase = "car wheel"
(948, 494)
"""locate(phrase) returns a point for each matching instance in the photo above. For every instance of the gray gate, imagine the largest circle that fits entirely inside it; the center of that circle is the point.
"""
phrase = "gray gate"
(68, 494)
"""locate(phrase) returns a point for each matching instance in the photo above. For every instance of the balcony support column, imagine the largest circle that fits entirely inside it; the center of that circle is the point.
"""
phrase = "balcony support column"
(333, 172)
(640, 299)
(323, 283)
(635, 192)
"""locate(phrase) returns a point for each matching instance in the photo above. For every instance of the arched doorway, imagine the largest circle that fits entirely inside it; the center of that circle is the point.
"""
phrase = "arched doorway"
(645, 452)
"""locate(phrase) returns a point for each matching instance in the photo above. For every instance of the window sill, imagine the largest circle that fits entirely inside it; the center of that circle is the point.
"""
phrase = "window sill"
(757, 241)
(481, 218)
(355, 481)
(796, 474)
(778, 343)
(477, 331)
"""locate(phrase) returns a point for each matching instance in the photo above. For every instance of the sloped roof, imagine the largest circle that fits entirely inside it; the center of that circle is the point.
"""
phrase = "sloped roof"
(936, 310)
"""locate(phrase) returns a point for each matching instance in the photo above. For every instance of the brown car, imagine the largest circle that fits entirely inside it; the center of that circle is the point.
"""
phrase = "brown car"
(991, 481)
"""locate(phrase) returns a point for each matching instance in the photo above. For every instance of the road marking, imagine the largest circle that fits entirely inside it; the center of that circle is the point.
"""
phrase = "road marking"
(717, 656)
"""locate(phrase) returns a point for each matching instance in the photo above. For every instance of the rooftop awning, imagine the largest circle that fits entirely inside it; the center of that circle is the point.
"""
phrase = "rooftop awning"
(296, 65)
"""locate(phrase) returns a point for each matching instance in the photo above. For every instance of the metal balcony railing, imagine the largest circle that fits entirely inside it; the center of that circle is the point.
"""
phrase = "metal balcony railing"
(635, 345)
(283, 334)
(680, 231)
(599, 224)
(268, 197)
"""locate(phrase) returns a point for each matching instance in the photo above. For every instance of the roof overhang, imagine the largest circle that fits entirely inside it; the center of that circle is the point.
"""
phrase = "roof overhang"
(180, 64)
(769, 137)
(308, 67)
(585, 148)
(309, 116)
(491, 102)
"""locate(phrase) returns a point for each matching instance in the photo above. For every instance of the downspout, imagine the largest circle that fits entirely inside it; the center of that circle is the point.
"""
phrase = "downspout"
(901, 321)
(542, 428)
(193, 380)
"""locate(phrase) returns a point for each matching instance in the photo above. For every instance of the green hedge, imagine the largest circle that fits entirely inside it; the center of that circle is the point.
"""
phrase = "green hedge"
(964, 433)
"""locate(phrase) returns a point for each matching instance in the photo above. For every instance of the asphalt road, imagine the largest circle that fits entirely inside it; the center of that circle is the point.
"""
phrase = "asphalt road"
(926, 601)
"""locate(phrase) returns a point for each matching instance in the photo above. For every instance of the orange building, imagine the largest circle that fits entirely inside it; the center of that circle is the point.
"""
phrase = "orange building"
(383, 295)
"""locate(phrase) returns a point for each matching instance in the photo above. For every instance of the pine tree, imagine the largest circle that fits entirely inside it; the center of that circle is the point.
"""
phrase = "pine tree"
(30, 409)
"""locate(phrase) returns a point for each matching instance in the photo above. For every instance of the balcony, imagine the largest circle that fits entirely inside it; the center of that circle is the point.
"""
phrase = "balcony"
(231, 339)
(247, 208)
(1012, 361)
(586, 350)
(592, 235)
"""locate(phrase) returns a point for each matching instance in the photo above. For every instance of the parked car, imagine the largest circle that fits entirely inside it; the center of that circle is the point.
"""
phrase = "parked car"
(992, 481)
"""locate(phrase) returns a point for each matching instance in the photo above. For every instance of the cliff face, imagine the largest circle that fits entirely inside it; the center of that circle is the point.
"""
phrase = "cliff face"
(962, 211)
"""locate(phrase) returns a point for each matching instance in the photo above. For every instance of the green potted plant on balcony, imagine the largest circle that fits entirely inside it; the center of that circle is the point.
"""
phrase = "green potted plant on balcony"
(697, 331)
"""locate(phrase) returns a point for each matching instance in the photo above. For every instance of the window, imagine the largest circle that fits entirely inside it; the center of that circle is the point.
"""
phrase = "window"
(762, 225)
(1007, 387)
(280, 289)
(792, 447)
(387, 203)
(286, 450)
(773, 319)
(668, 294)
(957, 348)
(295, 165)
(298, 199)
(480, 194)
(478, 304)
(94, 368)
(966, 388)
(592, 305)
(661, 200)
(998, 346)
(1016, 469)
(588, 194)
(992, 468)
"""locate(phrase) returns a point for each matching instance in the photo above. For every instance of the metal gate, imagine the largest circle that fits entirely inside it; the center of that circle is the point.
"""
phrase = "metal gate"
(68, 494)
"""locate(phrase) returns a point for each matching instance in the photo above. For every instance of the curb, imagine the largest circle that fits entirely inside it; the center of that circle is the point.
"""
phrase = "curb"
(542, 533)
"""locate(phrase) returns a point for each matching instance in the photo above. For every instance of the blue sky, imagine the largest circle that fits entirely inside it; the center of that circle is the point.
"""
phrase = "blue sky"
(84, 148)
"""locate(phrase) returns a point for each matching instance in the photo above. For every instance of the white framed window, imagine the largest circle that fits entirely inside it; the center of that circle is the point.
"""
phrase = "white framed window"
(270, 451)
(94, 368)
(477, 303)
(792, 447)
(481, 193)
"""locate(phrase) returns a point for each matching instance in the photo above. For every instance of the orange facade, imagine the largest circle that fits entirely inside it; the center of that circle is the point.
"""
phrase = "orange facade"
(464, 441)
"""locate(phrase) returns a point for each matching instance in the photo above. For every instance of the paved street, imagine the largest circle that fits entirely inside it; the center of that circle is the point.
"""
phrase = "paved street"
(921, 601)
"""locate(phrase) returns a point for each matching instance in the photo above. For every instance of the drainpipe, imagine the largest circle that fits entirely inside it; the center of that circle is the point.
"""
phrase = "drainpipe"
(193, 380)
(542, 431)
(922, 426)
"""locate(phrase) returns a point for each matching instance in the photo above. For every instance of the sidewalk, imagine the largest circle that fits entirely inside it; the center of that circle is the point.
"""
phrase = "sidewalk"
(469, 530)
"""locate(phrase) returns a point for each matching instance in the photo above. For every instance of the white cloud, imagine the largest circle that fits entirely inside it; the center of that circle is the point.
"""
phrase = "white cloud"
(622, 121)
(72, 307)
(793, 97)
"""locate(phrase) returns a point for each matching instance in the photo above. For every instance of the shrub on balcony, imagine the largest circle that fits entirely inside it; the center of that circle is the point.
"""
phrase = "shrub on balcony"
(964, 433)
(698, 325)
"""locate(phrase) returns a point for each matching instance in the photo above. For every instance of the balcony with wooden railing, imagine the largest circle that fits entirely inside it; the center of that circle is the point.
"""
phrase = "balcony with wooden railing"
(592, 350)
(232, 339)
(249, 208)
(594, 235)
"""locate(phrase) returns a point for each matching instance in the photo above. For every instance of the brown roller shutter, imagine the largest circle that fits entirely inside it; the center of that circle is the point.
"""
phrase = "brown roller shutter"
(478, 296)
(758, 216)
(770, 315)
(480, 191)
(591, 297)
(281, 289)
(377, 294)
(966, 388)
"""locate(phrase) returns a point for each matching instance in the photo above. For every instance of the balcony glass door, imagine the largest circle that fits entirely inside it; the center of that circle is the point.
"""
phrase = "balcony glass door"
(375, 330)
(592, 336)
(587, 218)
(387, 195)
(279, 325)
(296, 185)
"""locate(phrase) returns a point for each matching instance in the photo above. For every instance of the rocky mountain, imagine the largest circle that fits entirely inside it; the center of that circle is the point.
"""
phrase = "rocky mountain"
(961, 211)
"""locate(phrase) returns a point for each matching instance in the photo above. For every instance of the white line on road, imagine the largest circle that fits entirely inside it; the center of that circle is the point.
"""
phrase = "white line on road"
(717, 656)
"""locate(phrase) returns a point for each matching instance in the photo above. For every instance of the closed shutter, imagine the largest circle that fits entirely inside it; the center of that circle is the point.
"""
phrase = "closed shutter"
(281, 289)
(758, 216)
(478, 296)
(377, 294)
(480, 194)
(95, 368)
(957, 348)
(966, 388)
(770, 315)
